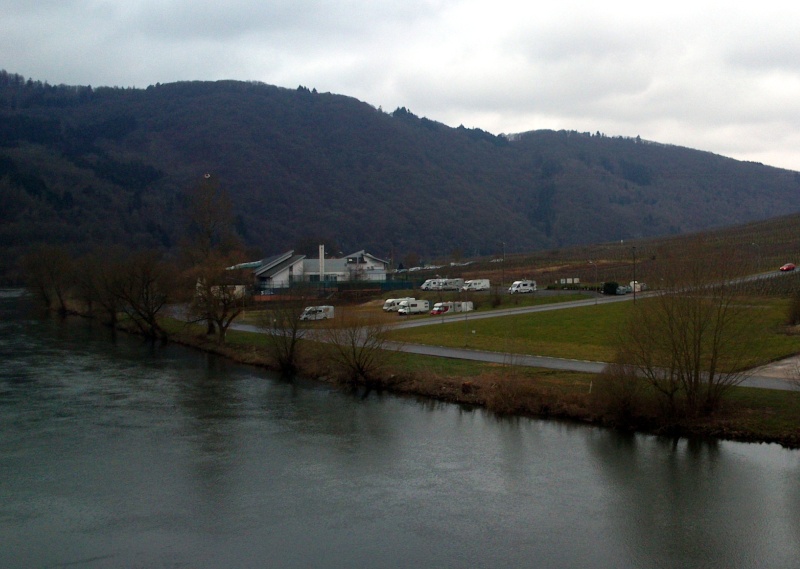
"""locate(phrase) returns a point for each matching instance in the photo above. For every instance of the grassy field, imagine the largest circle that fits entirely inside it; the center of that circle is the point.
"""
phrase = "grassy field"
(586, 333)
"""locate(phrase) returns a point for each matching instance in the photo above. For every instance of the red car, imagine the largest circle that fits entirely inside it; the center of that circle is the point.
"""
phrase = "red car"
(788, 267)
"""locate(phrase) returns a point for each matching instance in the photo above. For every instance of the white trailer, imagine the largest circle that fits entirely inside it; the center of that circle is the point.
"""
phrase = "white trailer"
(392, 304)
(476, 285)
(413, 307)
(317, 313)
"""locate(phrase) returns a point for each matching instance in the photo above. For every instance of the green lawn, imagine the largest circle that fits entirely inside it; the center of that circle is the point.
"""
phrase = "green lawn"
(586, 333)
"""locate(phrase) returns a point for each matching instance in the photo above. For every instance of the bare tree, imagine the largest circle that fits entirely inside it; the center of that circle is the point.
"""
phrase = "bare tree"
(358, 345)
(209, 221)
(219, 294)
(691, 340)
(144, 286)
(284, 332)
(210, 248)
(99, 276)
(48, 271)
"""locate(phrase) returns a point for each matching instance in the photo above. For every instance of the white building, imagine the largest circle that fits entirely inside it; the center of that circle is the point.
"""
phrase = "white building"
(281, 271)
(358, 266)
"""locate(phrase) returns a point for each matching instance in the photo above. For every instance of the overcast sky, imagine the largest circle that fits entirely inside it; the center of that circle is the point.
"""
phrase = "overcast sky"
(716, 76)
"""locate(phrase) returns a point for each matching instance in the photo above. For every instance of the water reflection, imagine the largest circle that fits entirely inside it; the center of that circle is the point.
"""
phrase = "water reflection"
(122, 454)
(692, 501)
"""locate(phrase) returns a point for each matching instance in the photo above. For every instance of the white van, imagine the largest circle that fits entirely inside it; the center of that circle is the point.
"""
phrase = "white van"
(522, 287)
(476, 285)
(317, 313)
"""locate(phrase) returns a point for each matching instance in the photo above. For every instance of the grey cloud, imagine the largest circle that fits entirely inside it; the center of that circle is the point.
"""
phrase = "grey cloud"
(725, 80)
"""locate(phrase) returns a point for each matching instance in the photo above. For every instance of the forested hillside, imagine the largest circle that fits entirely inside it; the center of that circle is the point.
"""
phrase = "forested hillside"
(82, 165)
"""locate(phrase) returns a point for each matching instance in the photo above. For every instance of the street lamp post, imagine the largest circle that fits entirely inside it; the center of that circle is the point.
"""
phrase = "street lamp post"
(503, 269)
(596, 282)
(634, 275)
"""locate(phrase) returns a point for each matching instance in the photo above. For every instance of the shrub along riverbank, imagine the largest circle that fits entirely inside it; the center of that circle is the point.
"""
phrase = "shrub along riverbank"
(748, 414)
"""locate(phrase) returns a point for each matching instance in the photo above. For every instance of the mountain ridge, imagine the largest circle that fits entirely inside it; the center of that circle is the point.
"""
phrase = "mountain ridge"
(82, 165)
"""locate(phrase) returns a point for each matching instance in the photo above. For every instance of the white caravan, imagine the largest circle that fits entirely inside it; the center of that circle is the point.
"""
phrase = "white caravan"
(452, 307)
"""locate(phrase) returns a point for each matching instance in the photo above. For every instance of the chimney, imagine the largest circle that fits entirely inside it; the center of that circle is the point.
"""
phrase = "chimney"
(322, 263)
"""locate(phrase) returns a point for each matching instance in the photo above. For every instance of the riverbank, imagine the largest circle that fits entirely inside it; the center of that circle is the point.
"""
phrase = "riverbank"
(748, 415)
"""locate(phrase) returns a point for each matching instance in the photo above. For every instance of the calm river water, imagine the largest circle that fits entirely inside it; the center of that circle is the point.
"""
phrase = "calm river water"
(116, 454)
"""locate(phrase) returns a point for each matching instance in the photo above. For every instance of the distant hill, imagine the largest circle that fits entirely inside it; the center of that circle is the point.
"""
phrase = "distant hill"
(85, 165)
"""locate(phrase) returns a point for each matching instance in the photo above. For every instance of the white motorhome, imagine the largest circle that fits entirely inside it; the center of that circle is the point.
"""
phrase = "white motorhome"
(317, 313)
(452, 307)
(476, 285)
(392, 304)
(413, 307)
(452, 284)
(522, 287)
(442, 284)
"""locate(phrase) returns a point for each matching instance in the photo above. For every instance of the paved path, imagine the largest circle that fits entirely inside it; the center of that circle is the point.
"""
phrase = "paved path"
(766, 377)
(501, 357)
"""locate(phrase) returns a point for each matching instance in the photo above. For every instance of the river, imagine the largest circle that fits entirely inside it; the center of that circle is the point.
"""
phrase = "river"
(116, 453)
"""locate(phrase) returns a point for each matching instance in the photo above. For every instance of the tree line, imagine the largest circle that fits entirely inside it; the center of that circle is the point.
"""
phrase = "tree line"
(111, 282)
(135, 288)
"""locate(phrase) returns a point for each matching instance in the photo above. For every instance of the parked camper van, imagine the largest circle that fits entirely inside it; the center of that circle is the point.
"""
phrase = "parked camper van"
(476, 285)
(452, 284)
(392, 304)
(522, 287)
(413, 307)
(317, 313)
(452, 307)
(442, 284)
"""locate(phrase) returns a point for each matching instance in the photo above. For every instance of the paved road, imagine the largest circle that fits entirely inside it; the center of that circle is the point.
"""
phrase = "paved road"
(447, 318)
